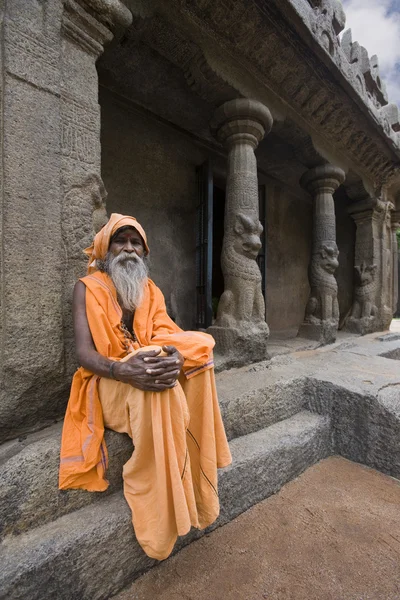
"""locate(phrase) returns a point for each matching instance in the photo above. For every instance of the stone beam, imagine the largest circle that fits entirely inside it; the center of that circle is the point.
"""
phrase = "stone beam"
(268, 49)
(321, 319)
(240, 329)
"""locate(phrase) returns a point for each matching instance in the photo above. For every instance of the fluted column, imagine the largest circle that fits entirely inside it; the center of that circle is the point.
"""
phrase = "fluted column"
(240, 329)
(321, 319)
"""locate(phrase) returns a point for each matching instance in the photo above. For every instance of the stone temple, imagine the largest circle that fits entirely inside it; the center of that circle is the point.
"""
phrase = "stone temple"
(255, 142)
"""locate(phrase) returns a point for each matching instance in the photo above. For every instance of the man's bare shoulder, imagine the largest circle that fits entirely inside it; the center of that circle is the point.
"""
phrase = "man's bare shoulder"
(79, 292)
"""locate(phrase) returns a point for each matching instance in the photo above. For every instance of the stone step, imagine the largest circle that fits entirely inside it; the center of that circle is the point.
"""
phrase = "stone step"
(92, 553)
(29, 494)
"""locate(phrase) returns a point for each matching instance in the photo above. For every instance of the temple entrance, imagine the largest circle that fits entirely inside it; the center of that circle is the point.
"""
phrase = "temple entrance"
(209, 240)
(217, 284)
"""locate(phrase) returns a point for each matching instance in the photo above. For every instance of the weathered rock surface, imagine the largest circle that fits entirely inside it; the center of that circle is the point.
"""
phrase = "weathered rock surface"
(89, 549)
(92, 553)
(29, 494)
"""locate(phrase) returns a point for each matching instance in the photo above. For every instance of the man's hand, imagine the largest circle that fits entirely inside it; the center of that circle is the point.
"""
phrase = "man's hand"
(150, 372)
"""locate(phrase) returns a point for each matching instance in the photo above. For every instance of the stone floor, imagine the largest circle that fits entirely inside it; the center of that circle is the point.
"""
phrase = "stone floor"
(395, 326)
(332, 534)
(286, 342)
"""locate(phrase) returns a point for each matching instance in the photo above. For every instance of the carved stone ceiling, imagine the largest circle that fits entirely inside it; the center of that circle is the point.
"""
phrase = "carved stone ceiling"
(135, 69)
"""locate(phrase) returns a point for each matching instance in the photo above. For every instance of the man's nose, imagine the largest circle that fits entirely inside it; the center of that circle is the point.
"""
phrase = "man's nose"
(129, 247)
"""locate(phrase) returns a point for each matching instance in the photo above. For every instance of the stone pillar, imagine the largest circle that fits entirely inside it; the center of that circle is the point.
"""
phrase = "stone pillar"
(321, 319)
(395, 225)
(240, 329)
(86, 27)
(372, 303)
(50, 189)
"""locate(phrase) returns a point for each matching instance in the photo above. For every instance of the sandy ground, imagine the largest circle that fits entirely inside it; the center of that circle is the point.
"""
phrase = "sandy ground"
(332, 534)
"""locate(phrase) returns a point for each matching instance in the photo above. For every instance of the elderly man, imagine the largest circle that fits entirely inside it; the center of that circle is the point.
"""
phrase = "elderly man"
(142, 375)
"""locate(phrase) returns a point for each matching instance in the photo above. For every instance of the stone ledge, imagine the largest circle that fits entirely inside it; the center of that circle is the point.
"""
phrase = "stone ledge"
(92, 553)
(30, 497)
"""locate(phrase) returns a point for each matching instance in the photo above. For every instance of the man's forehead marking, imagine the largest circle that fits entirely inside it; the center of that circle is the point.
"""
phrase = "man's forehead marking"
(124, 229)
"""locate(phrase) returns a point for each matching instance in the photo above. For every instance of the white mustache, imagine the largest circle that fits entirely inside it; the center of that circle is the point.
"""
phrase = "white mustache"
(125, 256)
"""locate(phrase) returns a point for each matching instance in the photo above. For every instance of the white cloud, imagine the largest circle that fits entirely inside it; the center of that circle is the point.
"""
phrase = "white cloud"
(375, 24)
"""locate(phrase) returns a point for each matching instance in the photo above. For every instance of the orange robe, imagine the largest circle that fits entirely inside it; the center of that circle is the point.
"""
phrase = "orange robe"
(170, 482)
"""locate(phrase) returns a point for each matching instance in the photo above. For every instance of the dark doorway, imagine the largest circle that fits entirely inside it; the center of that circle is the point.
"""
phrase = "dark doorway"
(218, 237)
(209, 241)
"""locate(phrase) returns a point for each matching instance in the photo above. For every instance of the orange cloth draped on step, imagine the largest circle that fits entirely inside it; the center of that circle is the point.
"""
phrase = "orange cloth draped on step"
(83, 451)
(170, 482)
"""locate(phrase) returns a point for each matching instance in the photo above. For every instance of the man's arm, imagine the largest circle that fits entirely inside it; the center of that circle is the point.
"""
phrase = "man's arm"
(135, 371)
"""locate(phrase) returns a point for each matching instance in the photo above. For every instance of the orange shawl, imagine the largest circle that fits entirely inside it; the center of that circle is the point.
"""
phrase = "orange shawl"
(83, 451)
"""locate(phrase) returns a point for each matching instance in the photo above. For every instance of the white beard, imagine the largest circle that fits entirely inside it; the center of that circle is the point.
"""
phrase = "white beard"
(129, 273)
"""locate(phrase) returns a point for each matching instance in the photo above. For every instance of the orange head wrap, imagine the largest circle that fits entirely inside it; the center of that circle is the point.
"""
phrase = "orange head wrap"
(101, 242)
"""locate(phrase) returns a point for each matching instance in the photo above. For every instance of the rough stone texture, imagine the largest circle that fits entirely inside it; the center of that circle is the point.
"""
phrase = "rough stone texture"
(321, 320)
(358, 401)
(50, 155)
(149, 169)
(375, 256)
(31, 272)
(180, 60)
(240, 329)
(365, 429)
(80, 564)
(288, 241)
(29, 494)
(325, 20)
(394, 279)
(350, 516)
(398, 292)
(262, 400)
(300, 74)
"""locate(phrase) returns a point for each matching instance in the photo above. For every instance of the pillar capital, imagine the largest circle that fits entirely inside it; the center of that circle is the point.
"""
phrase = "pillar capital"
(93, 23)
(323, 179)
(241, 121)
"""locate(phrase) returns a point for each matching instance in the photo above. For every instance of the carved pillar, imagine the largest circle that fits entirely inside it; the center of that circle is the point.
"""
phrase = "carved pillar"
(240, 329)
(87, 27)
(373, 277)
(322, 312)
(50, 186)
(395, 225)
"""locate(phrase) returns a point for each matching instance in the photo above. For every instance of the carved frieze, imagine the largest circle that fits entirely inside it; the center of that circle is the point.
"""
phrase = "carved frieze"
(261, 37)
(32, 57)
(80, 130)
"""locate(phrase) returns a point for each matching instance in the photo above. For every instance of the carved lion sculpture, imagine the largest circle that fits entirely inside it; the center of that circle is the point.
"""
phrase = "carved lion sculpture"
(364, 292)
(242, 300)
(323, 304)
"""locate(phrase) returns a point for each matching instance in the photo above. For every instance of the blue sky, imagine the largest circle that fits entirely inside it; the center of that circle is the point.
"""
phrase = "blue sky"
(375, 24)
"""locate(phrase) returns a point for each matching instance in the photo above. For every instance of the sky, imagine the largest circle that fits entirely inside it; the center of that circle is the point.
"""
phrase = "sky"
(375, 24)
